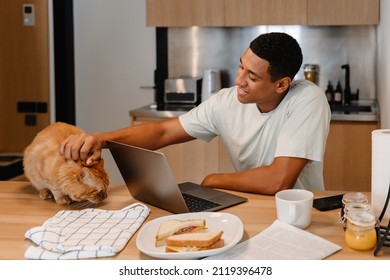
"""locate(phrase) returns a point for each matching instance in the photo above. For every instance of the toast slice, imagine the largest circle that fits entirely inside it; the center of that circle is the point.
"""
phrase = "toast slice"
(178, 227)
(190, 242)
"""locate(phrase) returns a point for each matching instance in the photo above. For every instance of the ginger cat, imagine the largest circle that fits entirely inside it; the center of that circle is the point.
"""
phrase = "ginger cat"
(64, 180)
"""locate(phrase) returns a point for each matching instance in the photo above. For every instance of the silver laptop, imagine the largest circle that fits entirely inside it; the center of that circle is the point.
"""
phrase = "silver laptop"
(149, 179)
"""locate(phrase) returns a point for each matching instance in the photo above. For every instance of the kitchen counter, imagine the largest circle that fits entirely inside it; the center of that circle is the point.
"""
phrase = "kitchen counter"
(361, 111)
(167, 111)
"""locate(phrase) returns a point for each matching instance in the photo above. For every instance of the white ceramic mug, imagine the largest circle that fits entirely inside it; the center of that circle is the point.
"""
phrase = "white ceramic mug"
(294, 207)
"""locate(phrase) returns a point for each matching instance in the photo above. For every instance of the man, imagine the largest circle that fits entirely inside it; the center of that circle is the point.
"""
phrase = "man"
(274, 129)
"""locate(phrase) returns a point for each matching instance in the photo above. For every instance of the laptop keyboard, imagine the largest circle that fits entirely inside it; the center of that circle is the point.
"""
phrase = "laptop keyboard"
(196, 204)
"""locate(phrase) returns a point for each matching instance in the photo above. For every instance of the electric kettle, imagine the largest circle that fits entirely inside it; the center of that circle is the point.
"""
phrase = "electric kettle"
(211, 82)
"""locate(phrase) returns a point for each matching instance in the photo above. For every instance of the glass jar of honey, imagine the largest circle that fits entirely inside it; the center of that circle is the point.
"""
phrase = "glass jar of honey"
(360, 233)
(312, 72)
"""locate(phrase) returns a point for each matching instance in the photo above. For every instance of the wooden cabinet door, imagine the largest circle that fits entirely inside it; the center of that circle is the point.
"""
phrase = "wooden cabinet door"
(181, 13)
(185, 13)
(265, 12)
(347, 161)
(342, 12)
(24, 73)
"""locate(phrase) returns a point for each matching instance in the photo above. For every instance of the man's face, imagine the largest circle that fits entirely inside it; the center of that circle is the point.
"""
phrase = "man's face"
(254, 83)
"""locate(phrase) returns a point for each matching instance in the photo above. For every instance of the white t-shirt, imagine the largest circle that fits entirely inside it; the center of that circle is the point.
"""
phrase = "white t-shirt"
(297, 127)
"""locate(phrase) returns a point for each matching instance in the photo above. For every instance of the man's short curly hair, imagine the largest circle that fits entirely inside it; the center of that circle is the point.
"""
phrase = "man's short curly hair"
(281, 51)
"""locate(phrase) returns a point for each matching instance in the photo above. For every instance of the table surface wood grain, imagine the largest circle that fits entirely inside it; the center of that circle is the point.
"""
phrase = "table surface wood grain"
(22, 209)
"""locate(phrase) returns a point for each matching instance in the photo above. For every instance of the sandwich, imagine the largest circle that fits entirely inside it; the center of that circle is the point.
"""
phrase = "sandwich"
(178, 227)
(191, 242)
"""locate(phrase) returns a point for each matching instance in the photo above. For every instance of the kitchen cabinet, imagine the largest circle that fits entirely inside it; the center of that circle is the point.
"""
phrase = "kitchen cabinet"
(182, 13)
(347, 160)
(344, 12)
(264, 12)
(193, 160)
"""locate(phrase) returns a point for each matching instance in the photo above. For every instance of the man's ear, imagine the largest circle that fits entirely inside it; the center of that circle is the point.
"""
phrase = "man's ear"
(283, 84)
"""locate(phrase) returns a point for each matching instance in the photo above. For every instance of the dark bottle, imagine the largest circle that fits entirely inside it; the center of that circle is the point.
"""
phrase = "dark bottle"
(338, 94)
(329, 92)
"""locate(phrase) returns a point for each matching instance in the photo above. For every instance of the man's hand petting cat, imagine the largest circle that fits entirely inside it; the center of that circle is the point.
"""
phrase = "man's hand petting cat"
(84, 147)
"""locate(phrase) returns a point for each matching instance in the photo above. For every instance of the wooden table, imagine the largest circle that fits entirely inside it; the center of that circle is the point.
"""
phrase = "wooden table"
(22, 209)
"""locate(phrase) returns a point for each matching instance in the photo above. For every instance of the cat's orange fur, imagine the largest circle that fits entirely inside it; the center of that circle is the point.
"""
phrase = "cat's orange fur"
(66, 181)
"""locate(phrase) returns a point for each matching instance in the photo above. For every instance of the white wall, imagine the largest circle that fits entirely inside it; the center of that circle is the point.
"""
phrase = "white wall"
(114, 56)
(383, 72)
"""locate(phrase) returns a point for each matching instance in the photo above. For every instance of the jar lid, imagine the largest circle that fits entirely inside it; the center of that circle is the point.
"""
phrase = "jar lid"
(361, 218)
(311, 67)
(364, 206)
(354, 197)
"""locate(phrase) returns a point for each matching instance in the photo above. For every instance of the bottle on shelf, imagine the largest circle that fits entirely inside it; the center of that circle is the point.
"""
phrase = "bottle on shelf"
(329, 92)
(338, 94)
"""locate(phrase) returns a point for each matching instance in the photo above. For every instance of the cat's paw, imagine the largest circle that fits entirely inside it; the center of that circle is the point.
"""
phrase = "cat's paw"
(45, 194)
(64, 200)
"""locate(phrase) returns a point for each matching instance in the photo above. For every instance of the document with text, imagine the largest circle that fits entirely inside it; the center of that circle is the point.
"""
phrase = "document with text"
(281, 241)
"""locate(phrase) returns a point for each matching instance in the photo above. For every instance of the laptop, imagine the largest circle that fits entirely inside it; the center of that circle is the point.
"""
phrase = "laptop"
(149, 179)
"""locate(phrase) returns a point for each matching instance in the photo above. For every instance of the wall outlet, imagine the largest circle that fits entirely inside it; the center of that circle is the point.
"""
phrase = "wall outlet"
(28, 14)
(30, 120)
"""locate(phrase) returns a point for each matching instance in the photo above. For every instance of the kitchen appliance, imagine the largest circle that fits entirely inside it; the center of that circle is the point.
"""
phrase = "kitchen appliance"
(183, 91)
(211, 83)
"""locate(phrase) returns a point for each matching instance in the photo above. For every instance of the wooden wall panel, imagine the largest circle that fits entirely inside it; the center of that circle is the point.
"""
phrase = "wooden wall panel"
(24, 72)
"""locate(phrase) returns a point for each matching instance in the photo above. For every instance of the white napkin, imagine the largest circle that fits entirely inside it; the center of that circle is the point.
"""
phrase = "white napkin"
(89, 233)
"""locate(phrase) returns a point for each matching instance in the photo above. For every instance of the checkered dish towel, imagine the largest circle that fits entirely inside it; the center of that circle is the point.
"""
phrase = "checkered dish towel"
(89, 233)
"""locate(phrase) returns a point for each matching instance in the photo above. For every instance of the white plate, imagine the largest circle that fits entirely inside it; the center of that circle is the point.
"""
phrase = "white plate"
(232, 233)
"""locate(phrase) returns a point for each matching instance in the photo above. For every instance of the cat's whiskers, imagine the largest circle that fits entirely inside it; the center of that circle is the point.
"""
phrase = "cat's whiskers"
(84, 204)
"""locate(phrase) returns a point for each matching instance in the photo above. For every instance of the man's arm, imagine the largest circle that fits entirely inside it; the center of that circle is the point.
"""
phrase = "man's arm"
(281, 174)
(152, 135)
